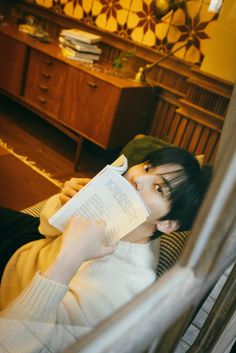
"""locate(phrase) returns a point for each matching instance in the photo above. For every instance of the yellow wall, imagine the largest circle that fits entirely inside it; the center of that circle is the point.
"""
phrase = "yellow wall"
(134, 20)
(220, 55)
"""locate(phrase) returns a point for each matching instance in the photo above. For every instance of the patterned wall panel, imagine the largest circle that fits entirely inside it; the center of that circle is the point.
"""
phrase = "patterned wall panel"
(134, 20)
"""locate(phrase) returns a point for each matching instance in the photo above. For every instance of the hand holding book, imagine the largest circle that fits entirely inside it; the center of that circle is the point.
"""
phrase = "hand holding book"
(110, 197)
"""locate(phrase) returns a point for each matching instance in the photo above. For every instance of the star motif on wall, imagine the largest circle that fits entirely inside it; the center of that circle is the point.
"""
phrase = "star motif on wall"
(147, 18)
(110, 8)
(192, 28)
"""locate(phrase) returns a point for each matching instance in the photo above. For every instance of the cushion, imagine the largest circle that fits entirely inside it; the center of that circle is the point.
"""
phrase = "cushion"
(141, 145)
(171, 248)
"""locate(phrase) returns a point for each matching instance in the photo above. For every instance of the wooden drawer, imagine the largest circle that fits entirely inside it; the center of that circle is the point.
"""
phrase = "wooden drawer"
(47, 104)
(45, 77)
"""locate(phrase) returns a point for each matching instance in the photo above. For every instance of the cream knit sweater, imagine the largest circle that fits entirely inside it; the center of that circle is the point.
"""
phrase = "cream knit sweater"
(98, 288)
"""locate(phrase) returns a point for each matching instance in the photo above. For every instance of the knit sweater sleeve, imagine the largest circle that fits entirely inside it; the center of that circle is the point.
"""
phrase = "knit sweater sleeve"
(39, 301)
(53, 204)
(29, 324)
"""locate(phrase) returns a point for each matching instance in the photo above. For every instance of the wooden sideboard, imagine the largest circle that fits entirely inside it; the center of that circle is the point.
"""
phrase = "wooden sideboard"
(84, 101)
(187, 110)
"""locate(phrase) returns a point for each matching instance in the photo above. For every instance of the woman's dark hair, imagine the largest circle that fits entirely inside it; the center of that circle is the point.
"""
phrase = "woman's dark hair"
(188, 185)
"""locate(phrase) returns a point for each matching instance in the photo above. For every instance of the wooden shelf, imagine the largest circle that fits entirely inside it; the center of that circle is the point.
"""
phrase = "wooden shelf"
(211, 83)
(170, 89)
(197, 108)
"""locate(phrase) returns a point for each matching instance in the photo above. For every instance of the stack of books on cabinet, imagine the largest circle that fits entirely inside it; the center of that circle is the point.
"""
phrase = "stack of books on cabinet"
(80, 45)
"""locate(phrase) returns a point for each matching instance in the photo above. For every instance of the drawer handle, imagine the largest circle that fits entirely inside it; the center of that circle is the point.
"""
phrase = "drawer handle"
(42, 100)
(92, 84)
(48, 61)
(46, 75)
(43, 88)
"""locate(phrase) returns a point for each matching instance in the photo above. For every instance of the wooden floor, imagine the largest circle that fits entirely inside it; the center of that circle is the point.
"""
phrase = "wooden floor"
(49, 148)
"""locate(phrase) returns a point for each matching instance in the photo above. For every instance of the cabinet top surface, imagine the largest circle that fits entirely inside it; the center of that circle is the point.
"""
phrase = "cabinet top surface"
(102, 70)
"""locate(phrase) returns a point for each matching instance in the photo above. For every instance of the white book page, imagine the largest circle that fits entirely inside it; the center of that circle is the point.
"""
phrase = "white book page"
(108, 196)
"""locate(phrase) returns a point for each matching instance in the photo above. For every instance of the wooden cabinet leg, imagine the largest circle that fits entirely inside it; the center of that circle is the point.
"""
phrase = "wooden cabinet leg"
(78, 152)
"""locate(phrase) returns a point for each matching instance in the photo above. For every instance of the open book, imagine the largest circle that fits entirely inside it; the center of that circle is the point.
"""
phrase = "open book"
(108, 196)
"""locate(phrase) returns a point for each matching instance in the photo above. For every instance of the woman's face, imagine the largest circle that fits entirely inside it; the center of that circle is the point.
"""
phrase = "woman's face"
(154, 186)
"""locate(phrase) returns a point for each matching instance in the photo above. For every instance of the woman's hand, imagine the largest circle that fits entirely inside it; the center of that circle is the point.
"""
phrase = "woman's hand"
(85, 237)
(71, 187)
(82, 240)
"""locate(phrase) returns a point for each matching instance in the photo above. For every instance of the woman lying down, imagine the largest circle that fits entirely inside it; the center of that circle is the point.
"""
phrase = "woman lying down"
(56, 286)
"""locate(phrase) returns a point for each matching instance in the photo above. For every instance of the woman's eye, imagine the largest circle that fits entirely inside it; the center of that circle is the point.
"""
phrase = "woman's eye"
(146, 168)
(159, 189)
